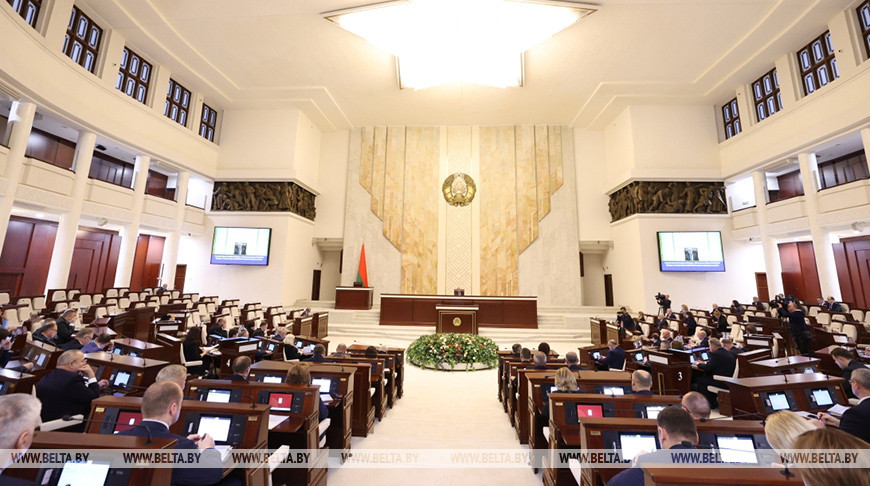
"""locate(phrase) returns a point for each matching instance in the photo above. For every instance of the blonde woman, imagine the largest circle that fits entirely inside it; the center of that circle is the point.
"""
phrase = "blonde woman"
(782, 428)
(565, 382)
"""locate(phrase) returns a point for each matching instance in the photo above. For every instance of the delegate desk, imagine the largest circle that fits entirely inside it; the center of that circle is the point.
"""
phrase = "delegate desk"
(419, 310)
(302, 326)
(763, 395)
(232, 348)
(393, 369)
(297, 404)
(134, 323)
(171, 328)
(788, 365)
(377, 380)
(16, 382)
(543, 390)
(126, 476)
(43, 356)
(357, 386)
(319, 325)
(141, 349)
(353, 298)
(237, 425)
(768, 476)
(599, 433)
(671, 370)
(126, 375)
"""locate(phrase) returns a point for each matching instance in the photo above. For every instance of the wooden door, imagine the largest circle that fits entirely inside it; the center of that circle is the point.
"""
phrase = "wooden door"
(315, 286)
(608, 290)
(180, 272)
(761, 286)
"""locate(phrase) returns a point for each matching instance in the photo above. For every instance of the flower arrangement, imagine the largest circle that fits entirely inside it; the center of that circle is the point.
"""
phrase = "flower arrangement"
(447, 350)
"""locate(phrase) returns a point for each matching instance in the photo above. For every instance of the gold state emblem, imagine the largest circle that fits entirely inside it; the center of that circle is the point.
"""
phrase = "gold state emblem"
(459, 189)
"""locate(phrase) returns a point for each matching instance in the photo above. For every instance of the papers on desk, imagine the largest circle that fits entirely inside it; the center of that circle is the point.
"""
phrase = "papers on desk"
(276, 420)
(325, 397)
(224, 450)
(837, 410)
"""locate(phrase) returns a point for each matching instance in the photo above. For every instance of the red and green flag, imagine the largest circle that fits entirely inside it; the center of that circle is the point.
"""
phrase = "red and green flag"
(362, 274)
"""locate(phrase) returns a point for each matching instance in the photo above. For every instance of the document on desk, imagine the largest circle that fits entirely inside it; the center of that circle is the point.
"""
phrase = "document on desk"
(838, 410)
(224, 450)
(276, 420)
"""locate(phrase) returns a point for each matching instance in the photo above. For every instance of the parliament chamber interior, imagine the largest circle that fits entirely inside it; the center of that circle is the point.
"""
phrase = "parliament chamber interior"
(513, 242)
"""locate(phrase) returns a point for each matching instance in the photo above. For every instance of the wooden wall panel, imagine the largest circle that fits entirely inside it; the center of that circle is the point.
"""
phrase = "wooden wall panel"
(857, 262)
(50, 148)
(800, 276)
(812, 288)
(95, 260)
(26, 256)
(847, 294)
(146, 262)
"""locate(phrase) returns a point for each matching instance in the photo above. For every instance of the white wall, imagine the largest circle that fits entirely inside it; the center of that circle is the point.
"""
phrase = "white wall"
(306, 151)
(286, 279)
(634, 264)
(675, 137)
(592, 212)
(619, 149)
(740, 192)
(259, 142)
(333, 187)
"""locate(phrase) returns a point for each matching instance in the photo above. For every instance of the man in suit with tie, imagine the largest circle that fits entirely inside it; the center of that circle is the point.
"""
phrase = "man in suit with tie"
(66, 325)
(69, 388)
(721, 363)
(573, 361)
(855, 419)
(241, 369)
(219, 328)
(845, 361)
(317, 355)
(641, 383)
(81, 339)
(47, 333)
(797, 326)
(161, 407)
(615, 359)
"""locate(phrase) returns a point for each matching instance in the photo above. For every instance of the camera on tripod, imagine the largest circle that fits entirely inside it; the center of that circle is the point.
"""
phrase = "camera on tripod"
(660, 298)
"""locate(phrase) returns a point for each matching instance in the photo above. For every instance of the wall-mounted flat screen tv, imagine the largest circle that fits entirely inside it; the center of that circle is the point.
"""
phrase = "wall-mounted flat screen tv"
(691, 251)
(240, 246)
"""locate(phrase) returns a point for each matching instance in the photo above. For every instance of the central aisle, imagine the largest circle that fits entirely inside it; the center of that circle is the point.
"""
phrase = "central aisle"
(441, 410)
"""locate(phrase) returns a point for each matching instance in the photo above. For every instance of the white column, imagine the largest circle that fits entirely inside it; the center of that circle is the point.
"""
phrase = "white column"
(130, 232)
(20, 123)
(822, 247)
(170, 249)
(772, 265)
(56, 20)
(64, 243)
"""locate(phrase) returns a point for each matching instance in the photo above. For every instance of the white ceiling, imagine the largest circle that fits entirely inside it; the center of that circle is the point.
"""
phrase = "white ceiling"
(272, 53)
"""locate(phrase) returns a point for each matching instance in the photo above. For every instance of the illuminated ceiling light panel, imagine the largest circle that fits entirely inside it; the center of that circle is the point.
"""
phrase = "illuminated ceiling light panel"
(437, 42)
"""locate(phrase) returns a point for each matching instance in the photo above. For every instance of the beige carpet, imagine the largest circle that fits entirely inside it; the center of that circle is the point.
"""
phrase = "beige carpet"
(441, 410)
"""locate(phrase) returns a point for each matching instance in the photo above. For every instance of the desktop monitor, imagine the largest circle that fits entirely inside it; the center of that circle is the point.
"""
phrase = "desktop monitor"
(127, 419)
(736, 449)
(84, 473)
(691, 359)
(638, 344)
(272, 379)
(218, 427)
(281, 402)
(218, 396)
(809, 370)
(652, 411)
(638, 356)
(299, 344)
(596, 355)
(705, 356)
(613, 390)
(325, 384)
(122, 379)
(271, 347)
(587, 410)
(778, 401)
(822, 397)
(116, 351)
(40, 360)
(633, 444)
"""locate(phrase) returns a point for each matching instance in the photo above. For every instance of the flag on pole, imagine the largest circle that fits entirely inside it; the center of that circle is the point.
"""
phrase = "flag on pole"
(362, 275)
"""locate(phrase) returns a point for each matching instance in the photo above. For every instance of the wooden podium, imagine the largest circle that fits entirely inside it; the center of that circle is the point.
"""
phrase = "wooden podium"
(459, 319)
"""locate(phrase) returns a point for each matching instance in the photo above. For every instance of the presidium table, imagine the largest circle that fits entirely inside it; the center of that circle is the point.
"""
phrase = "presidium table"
(459, 314)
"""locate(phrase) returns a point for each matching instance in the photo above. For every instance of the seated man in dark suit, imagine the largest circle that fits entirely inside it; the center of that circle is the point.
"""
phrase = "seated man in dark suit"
(340, 351)
(161, 407)
(241, 369)
(540, 361)
(515, 350)
(661, 322)
(219, 328)
(317, 356)
(641, 383)
(855, 419)
(757, 303)
(103, 342)
(66, 325)
(69, 388)
(261, 330)
(47, 333)
(615, 359)
(728, 344)
(81, 339)
(677, 430)
(834, 305)
(6, 340)
(721, 363)
(703, 340)
(573, 361)
(719, 321)
(19, 416)
(843, 358)
(697, 405)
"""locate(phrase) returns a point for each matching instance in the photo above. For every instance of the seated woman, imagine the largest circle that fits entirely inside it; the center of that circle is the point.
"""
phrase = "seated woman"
(782, 428)
(565, 382)
(291, 352)
(691, 324)
(194, 352)
(300, 374)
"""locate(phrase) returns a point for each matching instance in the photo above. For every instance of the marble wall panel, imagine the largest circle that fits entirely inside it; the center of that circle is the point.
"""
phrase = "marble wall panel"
(420, 217)
(498, 213)
(526, 188)
(458, 236)
(554, 137)
(365, 161)
(379, 160)
(542, 163)
(394, 178)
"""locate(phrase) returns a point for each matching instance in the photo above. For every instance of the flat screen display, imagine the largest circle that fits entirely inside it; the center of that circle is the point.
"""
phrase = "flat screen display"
(596, 355)
(691, 251)
(638, 356)
(590, 410)
(272, 379)
(324, 383)
(218, 396)
(217, 427)
(40, 359)
(652, 411)
(705, 356)
(634, 444)
(240, 246)
(281, 402)
(122, 379)
(822, 397)
(778, 401)
(613, 390)
(127, 420)
(739, 450)
(84, 473)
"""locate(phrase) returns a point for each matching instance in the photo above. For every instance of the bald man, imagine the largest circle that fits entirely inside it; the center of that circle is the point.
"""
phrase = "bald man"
(69, 388)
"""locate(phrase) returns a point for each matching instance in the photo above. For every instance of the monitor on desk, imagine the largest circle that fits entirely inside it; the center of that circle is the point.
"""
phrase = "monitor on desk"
(633, 444)
(325, 384)
(218, 396)
(122, 379)
(216, 426)
(612, 390)
(82, 474)
(705, 356)
(778, 401)
(590, 410)
(638, 356)
(596, 355)
(638, 344)
(116, 351)
(127, 419)
(40, 360)
(283, 401)
(272, 378)
(822, 397)
(736, 449)
(652, 411)
(271, 347)
(809, 369)
(4, 387)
